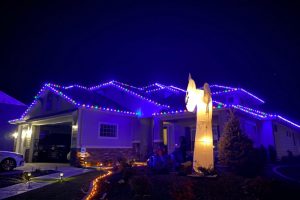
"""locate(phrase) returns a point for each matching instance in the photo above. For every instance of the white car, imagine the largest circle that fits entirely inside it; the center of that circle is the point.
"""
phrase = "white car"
(10, 160)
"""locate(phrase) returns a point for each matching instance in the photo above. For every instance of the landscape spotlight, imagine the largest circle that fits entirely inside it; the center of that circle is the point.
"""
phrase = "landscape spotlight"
(61, 176)
(28, 182)
(29, 175)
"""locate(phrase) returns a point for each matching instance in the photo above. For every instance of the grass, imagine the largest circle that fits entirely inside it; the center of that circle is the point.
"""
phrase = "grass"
(70, 188)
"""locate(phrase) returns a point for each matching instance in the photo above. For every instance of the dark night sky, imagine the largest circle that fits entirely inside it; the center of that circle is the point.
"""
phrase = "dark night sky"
(250, 45)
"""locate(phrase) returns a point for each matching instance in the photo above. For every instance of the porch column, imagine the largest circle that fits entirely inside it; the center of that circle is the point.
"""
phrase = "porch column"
(19, 140)
(76, 137)
(33, 143)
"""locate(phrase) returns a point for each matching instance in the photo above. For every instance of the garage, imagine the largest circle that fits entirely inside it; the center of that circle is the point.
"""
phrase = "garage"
(53, 143)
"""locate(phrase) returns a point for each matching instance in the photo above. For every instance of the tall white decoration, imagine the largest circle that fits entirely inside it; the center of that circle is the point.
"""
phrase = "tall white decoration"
(200, 100)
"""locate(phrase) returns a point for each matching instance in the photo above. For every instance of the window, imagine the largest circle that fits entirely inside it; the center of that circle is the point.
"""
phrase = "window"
(108, 130)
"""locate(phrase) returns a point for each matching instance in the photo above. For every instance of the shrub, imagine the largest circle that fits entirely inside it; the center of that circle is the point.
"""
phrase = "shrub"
(236, 150)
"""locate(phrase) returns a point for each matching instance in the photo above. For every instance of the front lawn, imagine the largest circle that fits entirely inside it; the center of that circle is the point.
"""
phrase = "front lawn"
(70, 188)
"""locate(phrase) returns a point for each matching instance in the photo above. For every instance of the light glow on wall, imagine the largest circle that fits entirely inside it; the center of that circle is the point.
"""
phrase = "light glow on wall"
(29, 133)
(15, 135)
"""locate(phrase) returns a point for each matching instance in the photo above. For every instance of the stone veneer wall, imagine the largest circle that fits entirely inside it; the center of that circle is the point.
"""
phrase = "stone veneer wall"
(106, 154)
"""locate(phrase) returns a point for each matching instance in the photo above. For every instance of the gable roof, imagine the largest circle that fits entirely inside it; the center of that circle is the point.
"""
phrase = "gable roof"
(163, 99)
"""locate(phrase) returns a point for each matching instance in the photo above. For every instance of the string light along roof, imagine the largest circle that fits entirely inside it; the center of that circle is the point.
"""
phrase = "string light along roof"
(140, 96)
(53, 88)
(233, 89)
(219, 105)
(162, 87)
(114, 84)
(156, 87)
(220, 90)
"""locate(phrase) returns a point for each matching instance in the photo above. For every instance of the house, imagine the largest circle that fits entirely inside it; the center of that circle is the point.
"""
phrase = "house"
(114, 119)
(9, 108)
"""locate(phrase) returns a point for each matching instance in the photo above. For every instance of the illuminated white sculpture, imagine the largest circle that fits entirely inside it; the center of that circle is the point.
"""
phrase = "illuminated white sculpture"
(202, 102)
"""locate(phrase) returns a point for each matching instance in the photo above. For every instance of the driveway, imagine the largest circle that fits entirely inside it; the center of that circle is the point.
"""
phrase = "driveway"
(40, 181)
(43, 166)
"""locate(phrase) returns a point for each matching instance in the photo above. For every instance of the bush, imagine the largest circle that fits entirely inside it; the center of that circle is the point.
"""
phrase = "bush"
(236, 150)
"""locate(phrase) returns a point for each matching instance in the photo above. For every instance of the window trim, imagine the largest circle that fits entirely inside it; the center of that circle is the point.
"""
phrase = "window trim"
(106, 137)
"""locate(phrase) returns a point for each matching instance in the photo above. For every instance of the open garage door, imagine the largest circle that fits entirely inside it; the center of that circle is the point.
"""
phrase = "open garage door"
(53, 144)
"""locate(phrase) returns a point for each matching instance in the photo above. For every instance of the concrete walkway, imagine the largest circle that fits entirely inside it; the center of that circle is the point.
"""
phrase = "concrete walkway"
(40, 181)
